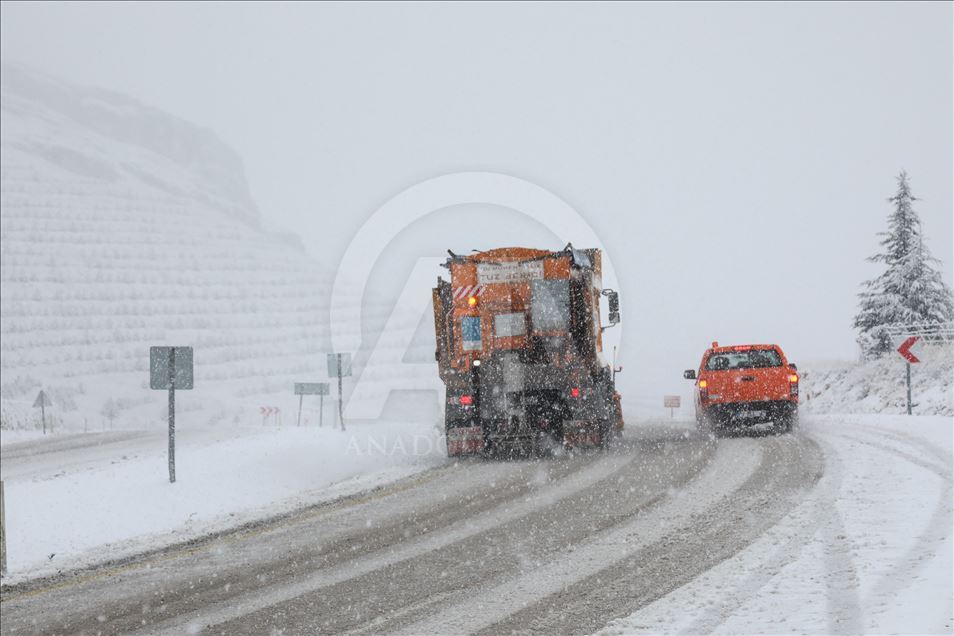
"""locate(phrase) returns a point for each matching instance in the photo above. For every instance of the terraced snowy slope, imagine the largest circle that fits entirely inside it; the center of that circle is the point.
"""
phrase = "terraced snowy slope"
(123, 227)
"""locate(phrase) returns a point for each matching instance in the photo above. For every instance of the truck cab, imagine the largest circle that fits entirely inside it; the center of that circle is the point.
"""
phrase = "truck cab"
(743, 385)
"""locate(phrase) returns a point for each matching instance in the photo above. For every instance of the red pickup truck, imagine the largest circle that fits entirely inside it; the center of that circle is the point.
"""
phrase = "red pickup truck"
(743, 385)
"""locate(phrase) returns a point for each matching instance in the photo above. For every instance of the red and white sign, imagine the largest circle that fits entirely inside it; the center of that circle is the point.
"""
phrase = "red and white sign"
(468, 290)
(906, 349)
(671, 401)
(268, 410)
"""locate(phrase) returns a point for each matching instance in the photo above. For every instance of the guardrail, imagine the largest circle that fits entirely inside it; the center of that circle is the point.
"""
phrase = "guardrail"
(929, 331)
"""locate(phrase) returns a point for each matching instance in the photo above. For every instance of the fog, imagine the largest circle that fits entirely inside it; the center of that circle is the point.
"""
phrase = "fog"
(735, 160)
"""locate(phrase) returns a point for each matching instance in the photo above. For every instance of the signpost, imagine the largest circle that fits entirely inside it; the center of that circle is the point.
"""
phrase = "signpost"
(312, 388)
(339, 364)
(170, 368)
(42, 401)
(904, 349)
(3, 533)
(671, 402)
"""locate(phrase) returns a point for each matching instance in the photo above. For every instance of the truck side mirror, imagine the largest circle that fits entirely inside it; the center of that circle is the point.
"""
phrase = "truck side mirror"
(792, 364)
(689, 374)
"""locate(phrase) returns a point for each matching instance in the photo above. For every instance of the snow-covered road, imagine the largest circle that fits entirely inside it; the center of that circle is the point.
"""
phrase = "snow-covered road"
(844, 527)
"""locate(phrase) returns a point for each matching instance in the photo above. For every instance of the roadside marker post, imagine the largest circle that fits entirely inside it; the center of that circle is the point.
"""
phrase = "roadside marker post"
(170, 368)
(339, 364)
(311, 388)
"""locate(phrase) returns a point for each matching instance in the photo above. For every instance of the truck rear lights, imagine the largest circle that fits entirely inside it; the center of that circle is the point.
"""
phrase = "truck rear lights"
(476, 362)
(792, 377)
(575, 392)
(466, 400)
(703, 384)
(472, 301)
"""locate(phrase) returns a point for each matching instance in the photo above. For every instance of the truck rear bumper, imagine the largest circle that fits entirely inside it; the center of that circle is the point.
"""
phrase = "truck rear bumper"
(745, 413)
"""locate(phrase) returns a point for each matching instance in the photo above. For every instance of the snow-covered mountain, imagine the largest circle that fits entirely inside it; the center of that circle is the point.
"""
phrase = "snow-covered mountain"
(123, 227)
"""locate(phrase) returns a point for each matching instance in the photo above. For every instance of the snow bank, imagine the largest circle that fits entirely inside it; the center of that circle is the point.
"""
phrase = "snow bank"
(73, 507)
(878, 386)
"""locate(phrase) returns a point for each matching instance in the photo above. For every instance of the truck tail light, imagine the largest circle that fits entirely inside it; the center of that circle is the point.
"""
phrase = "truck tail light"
(472, 301)
(793, 378)
(575, 392)
(466, 400)
(793, 384)
(704, 389)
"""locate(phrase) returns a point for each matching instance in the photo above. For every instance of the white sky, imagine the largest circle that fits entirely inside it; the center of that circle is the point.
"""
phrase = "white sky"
(734, 158)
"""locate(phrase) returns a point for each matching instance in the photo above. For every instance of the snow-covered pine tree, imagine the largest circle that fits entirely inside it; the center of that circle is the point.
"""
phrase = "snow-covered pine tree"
(911, 290)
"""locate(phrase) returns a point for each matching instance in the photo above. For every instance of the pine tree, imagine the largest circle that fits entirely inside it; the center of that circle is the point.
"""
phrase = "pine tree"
(911, 290)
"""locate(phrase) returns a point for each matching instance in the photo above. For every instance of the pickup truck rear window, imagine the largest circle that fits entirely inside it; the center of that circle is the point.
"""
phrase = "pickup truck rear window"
(751, 359)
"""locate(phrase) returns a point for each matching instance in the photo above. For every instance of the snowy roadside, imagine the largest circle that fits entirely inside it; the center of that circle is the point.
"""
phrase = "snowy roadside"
(870, 550)
(72, 508)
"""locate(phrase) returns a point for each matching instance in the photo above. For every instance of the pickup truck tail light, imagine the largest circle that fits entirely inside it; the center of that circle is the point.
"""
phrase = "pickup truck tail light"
(793, 384)
(703, 389)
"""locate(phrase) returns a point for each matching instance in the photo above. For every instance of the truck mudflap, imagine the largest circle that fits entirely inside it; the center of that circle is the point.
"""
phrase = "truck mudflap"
(467, 440)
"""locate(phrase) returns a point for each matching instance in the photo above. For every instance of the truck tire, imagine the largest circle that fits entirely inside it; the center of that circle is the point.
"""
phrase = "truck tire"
(788, 422)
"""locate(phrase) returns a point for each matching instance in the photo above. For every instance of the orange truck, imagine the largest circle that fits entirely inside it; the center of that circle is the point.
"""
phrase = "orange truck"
(519, 349)
(742, 385)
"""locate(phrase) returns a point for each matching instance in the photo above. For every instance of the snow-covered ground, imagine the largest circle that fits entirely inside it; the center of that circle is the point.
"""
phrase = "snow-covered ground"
(78, 499)
(869, 551)
(879, 386)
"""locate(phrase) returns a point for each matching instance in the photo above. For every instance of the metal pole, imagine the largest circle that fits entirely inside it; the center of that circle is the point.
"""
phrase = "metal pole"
(3, 532)
(300, 398)
(340, 405)
(172, 415)
(321, 409)
(909, 387)
(43, 411)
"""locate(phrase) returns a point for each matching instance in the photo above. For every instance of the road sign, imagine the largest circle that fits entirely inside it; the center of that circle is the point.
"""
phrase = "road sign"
(333, 363)
(905, 349)
(170, 368)
(160, 371)
(671, 401)
(41, 402)
(311, 388)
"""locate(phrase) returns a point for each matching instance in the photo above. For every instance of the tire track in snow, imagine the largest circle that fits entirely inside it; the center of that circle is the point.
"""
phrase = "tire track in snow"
(731, 467)
(937, 529)
(272, 548)
(235, 608)
(788, 469)
(843, 603)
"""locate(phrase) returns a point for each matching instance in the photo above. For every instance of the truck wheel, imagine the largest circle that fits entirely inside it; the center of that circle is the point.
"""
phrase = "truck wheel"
(791, 422)
(787, 422)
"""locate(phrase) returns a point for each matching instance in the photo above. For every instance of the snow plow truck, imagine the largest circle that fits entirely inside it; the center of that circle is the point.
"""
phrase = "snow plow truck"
(519, 349)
